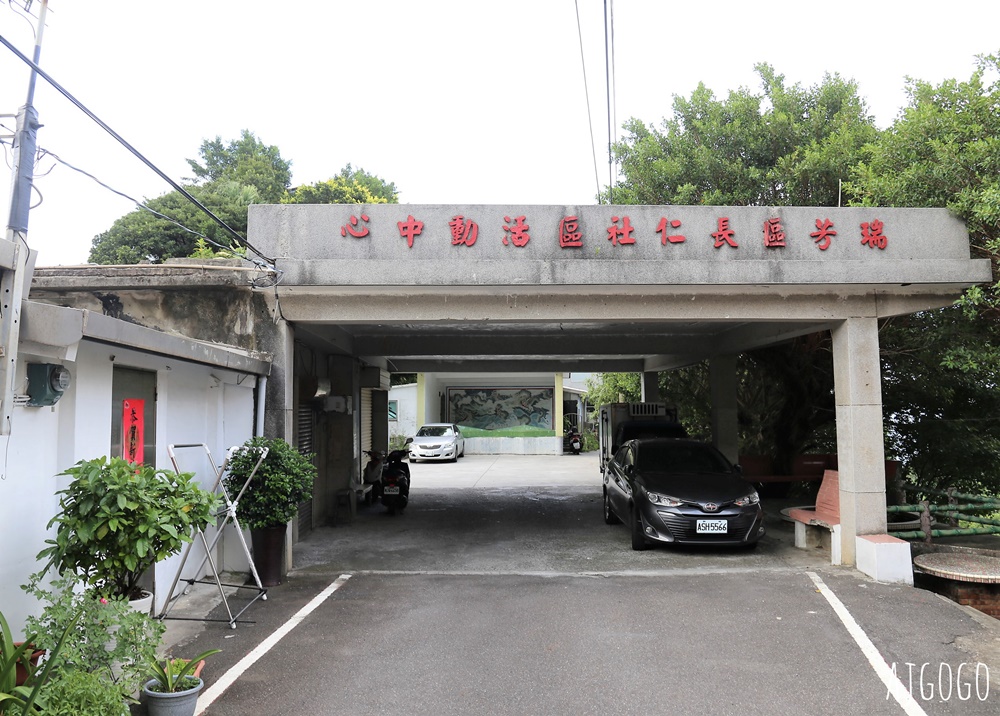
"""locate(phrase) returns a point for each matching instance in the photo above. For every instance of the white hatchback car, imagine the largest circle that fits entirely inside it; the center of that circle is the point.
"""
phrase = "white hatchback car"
(437, 441)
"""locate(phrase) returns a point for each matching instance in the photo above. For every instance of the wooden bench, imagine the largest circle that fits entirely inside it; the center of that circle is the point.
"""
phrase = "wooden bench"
(811, 526)
(759, 469)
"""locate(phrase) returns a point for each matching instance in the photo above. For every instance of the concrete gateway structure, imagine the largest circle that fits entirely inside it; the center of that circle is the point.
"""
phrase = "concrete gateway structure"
(360, 292)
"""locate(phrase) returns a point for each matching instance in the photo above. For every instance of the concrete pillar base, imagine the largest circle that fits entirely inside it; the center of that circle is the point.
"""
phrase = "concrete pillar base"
(816, 537)
(884, 558)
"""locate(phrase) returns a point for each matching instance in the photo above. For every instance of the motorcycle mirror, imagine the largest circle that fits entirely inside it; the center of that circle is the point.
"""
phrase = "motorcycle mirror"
(408, 441)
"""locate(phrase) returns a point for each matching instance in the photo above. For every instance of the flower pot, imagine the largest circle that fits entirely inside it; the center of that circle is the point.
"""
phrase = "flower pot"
(22, 673)
(181, 703)
(143, 604)
(268, 554)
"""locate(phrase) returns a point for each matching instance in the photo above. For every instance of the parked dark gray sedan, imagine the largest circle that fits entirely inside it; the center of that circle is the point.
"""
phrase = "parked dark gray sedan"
(671, 490)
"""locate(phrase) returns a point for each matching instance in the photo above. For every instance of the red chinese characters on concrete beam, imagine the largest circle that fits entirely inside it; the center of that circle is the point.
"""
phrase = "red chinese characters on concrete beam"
(516, 230)
(464, 231)
(570, 236)
(665, 237)
(351, 227)
(409, 229)
(823, 234)
(774, 234)
(724, 235)
(621, 234)
(872, 236)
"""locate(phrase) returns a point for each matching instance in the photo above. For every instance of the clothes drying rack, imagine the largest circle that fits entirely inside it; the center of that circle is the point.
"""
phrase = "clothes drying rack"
(228, 514)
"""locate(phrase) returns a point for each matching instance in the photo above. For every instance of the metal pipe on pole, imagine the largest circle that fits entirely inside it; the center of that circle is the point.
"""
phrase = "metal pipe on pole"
(16, 259)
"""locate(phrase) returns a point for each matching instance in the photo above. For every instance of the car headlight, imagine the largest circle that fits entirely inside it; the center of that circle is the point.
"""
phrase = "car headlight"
(656, 498)
(752, 499)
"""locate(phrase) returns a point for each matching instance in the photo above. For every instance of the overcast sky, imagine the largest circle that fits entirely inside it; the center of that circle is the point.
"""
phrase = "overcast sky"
(455, 102)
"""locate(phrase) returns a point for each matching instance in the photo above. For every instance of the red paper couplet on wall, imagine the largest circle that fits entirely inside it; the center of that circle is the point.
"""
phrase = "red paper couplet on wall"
(133, 429)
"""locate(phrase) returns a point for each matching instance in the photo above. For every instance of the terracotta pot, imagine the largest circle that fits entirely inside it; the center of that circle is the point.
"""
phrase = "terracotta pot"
(22, 673)
(269, 554)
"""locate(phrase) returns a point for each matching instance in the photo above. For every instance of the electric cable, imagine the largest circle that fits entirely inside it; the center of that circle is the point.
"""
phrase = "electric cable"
(139, 204)
(586, 94)
(177, 187)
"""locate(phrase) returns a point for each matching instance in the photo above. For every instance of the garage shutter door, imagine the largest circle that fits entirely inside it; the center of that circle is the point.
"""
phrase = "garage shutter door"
(366, 421)
(305, 443)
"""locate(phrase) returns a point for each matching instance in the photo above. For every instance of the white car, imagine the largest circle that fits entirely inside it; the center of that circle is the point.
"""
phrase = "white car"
(437, 441)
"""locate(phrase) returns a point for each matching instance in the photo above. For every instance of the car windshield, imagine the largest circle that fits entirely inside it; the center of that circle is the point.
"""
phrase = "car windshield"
(680, 457)
(434, 431)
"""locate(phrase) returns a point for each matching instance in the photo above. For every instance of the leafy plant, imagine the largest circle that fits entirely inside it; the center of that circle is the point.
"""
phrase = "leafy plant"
(109, 638)
(174, 675)
(27, 698)
(82, 693)
(283, 480)
(117, 519)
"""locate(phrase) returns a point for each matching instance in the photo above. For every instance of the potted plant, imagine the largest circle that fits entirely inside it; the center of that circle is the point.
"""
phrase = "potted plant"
(174, 691)
(107, 637)
(24, 698)
(117, 519)
(271, 499)
(82, 693)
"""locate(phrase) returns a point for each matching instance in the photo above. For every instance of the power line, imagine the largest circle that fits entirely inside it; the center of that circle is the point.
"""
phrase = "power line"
(586, 93)
(177, 187)
(139, 204)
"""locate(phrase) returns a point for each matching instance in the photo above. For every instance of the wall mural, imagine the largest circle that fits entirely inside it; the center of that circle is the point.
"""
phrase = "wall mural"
(497, 408)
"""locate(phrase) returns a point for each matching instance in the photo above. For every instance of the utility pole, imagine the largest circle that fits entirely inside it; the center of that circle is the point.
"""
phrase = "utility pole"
(16, 259)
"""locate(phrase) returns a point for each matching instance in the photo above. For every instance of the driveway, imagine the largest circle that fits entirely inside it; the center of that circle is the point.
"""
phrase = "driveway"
(501, 591)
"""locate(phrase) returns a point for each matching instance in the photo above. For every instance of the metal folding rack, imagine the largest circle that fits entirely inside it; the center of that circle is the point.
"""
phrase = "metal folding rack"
(228, 515)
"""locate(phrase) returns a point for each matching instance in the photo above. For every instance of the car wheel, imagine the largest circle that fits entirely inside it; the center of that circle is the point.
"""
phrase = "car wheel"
(610, 518)
(638, 538)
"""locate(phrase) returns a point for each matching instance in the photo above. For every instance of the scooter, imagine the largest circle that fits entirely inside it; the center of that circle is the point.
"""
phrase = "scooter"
(395, 482)
(575, 441)
(373, 475)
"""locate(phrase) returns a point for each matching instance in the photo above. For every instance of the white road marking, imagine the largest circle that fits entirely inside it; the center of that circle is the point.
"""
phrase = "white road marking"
(895, 686)
(216, 690)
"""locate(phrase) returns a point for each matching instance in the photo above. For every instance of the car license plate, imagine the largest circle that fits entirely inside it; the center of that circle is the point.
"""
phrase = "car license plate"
(711, 526)
(392, 490)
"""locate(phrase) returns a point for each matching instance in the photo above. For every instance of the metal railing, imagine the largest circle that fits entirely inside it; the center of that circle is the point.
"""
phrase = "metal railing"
(957, 506)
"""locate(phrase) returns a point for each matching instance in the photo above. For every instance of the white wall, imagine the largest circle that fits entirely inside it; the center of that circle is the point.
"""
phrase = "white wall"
(406, 410)
(195, 404)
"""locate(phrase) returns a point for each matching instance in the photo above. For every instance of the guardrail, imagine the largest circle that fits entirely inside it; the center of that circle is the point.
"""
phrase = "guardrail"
(959, 506)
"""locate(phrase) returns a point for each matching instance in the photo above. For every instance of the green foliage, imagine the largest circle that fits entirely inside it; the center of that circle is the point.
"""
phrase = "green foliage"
(786, 146)
(142, 236)
(29, 697)
(107, 636)
(246, 161)
(117, 519)
(349, 187)
(83, 693)
(203, 250)
(174, 675)
(283, 480)
(604, 388)
(519, 431)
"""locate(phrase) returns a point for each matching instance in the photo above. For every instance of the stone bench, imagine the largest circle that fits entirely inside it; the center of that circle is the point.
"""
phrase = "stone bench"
(812, 526)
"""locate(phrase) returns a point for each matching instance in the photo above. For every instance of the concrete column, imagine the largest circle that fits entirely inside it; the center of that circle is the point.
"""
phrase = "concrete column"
(279, 405)
(725, 424)
(421, 399)
(557, 413)
(650, 387)
(860, 447)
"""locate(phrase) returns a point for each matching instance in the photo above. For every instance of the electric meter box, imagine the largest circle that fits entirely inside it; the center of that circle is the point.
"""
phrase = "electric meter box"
(46, 383)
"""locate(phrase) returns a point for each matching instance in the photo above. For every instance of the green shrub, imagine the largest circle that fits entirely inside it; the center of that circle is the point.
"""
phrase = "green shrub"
(82, 693)
(283, 480)
(117, 519)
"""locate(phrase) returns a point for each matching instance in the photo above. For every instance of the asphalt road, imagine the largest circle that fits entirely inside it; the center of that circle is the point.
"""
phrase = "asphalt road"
(501, 591)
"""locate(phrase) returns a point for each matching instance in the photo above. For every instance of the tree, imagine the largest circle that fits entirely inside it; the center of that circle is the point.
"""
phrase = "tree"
(246, 161)
(349, 187)
(787, 146)
(143, 236)
(783, 146)
(941, 369)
